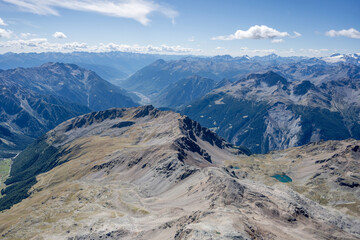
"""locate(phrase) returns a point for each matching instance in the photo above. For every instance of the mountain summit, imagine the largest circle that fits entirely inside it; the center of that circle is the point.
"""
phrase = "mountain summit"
(141, 173)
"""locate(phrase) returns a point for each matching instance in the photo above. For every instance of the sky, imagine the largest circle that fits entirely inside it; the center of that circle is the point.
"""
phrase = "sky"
(198, 27)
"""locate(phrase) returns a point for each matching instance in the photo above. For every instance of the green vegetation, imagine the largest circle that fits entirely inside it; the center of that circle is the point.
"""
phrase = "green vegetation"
(38, 158)
(330, 124)
(235, 118)
(4, 171)
(243, 121)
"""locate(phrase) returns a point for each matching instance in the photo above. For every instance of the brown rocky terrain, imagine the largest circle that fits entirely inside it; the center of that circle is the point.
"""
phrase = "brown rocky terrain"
(141, 173)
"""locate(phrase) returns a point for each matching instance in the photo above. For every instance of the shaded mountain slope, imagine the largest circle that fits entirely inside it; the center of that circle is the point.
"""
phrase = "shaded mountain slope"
(266, 112)
(184, 91)
(141, 173)
(72, 83)
(155, 77)
(26, 115)
(35, 100)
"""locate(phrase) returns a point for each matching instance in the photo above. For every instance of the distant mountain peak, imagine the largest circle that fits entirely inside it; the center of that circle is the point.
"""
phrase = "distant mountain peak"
(223, 82)
(270, 77)
(342, 58)
(272, 56)
(59, 64)
(336, 55)
(159, 62)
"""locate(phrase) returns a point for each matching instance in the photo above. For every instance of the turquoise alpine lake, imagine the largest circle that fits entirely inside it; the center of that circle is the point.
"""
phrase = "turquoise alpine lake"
(282, 178)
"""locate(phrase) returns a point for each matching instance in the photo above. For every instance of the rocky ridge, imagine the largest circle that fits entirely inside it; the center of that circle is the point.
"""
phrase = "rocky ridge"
(141, 173)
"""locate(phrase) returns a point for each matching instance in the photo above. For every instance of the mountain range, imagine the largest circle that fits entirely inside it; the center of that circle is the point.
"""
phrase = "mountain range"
(273, 102)
(112, 66)
(247, 148)
(35, 100)
(155, 77)
(141, 173)
(266, 112)
(274, 105)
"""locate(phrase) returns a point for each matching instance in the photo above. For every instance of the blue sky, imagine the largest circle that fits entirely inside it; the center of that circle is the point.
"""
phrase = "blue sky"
(200, 27)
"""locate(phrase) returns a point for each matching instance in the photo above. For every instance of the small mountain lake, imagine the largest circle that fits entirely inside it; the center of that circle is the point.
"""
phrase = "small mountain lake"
(282, 178)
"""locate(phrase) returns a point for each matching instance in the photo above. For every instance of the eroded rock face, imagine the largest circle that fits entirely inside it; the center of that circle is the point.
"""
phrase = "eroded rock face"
(156, 175)
(283, 128)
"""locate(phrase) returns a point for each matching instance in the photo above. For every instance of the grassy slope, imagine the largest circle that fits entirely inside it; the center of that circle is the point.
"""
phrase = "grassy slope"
(39, 157)
(4, 170)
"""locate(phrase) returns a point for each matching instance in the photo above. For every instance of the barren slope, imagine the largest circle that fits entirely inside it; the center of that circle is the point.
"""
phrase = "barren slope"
(326, 172)
(140, 173)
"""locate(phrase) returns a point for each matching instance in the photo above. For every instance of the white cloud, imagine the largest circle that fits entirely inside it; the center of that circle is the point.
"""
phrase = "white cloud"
(262, 51)
(133, 9)
(254, 52)
(350, 33)
(26, 35)
(222, 49)
(5, 33)
(254, 32)
(2, 23)
(59, 35)
(296, 34)
(191, 39)
(43, 45)
(277, 40)
(314, 51)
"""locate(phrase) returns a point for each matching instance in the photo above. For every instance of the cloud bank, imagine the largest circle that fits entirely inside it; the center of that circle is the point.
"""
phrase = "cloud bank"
(350, 33)
(138, 10)
(43, 45)
(254, 32)
(59, 35)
